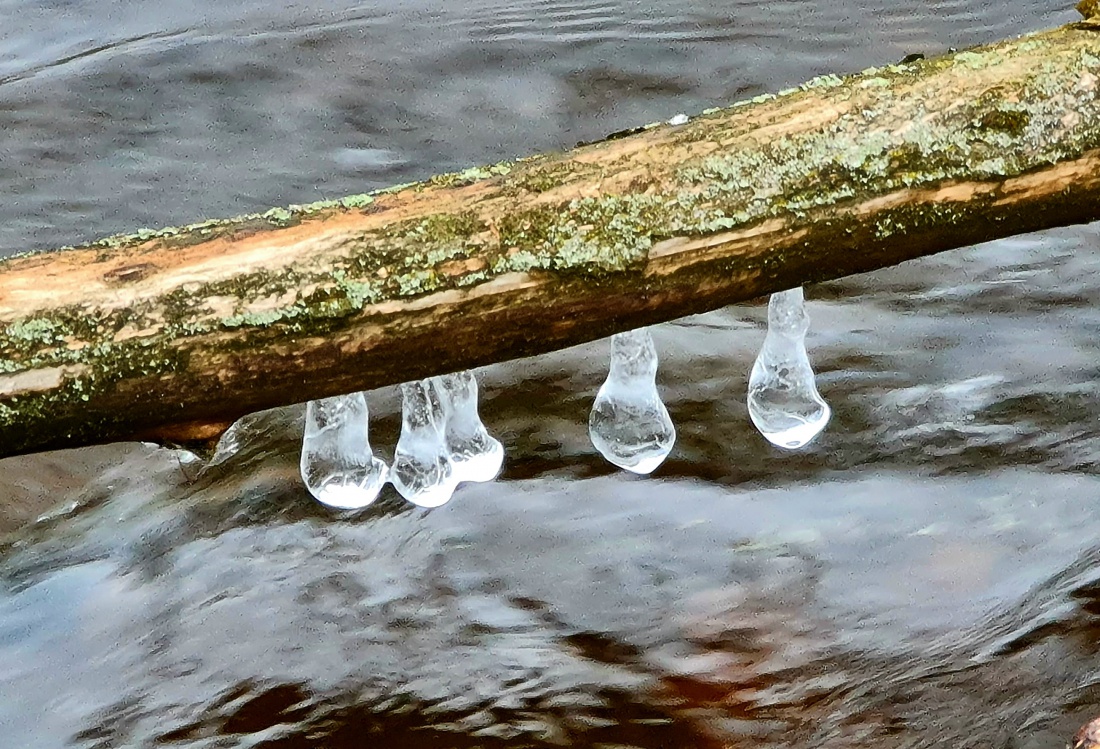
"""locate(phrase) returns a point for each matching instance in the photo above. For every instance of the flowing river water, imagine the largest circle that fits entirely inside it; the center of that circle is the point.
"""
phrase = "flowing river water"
(926, 574)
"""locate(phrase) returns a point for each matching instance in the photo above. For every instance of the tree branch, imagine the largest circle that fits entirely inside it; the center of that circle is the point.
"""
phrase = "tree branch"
(171, 335)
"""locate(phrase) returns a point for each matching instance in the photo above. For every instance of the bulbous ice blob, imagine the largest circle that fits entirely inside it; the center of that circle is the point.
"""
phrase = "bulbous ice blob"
(422, 469)
(475, 455)
(338, 466)
(629, 424)
(783, 400)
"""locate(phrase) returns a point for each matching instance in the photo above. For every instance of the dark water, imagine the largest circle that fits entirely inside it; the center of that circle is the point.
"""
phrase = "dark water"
(927, 574)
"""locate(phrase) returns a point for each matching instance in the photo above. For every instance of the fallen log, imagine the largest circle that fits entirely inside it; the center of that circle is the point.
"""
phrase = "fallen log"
(171, 335)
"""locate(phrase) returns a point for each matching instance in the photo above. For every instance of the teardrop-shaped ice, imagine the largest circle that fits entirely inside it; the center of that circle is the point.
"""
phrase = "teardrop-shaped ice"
(783, 400)
(475, 455)
(629, 424)
(422, 470)
(338, 466)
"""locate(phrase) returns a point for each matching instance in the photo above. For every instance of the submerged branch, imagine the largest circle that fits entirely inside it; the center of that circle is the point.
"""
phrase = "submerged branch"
(171, 335)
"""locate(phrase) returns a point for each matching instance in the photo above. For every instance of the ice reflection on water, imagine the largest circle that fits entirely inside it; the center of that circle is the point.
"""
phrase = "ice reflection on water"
(924, 574)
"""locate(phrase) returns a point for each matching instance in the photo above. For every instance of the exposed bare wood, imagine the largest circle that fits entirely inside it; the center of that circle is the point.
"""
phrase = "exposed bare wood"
(171, 335)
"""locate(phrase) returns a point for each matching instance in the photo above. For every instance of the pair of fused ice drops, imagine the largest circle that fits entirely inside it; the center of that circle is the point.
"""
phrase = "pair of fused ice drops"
(443, 441)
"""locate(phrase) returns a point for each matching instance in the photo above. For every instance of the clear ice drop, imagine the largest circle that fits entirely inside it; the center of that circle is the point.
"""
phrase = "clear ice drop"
(783, 400)
(338, 466)
(475, 455)
(629, 424)
(422, 469)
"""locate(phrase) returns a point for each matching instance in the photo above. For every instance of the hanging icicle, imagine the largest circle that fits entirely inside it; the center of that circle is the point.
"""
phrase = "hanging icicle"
(337, 464)
(475, 455)
(629, 424)
(422, 469)
(783, 400)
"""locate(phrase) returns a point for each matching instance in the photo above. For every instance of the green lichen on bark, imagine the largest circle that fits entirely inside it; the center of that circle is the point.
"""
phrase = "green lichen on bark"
(469, 176)
(546, 177)
(860, 153)
(57, 411)
(586, 235)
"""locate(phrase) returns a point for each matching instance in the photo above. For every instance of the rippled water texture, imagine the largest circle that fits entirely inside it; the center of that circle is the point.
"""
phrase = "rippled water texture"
(926, 574)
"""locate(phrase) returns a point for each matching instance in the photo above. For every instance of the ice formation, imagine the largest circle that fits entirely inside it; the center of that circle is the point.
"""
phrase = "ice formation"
(475, 455)
(337, 464)
(629, 424)
(783, 400)
(422, 468)
(444, 442)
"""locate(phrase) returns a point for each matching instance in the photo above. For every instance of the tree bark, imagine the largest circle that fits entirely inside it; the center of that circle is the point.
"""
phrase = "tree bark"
(170, 335)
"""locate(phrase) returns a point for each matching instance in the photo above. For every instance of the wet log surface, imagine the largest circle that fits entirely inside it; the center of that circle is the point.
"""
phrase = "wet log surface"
(170, 335)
